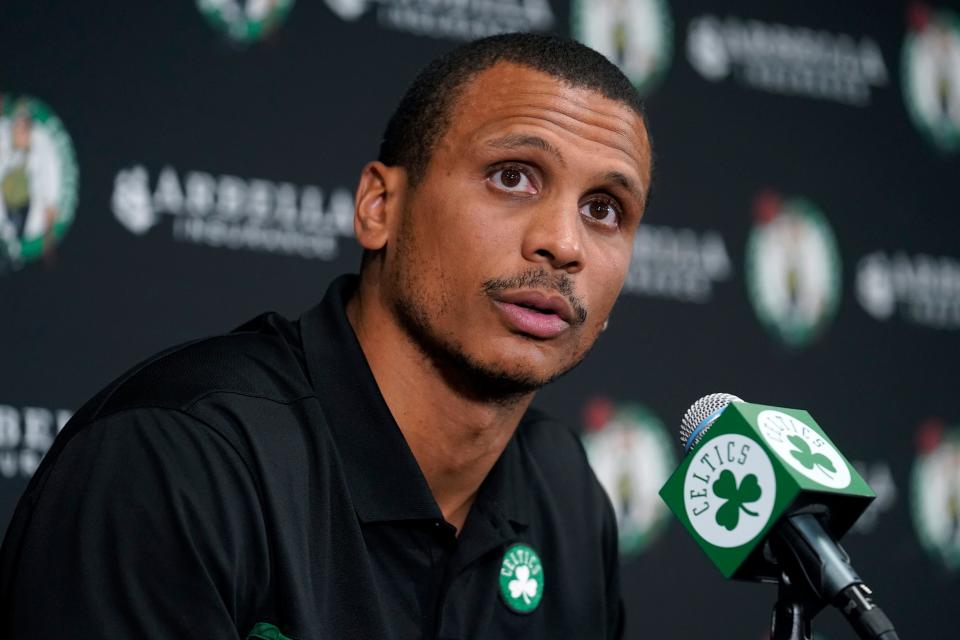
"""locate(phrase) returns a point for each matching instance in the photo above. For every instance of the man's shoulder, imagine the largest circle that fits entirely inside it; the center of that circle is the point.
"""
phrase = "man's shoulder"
(261, 359)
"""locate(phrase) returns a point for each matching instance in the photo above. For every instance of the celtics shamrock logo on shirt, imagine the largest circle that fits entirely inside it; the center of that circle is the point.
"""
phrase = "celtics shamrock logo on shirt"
(521, 579)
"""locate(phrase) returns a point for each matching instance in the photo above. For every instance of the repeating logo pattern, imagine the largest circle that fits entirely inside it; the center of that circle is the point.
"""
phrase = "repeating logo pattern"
(26, 434)
(234, 213)
(636, 35)
(804, 449)
(463, 20)
(792, 268)
(245, 20)
(729, 490)
(786, 59)
(677, 264)
(935, 492)
(930, 63)
(38, 181)
(922, 289)
(521, 579)
(632, 456)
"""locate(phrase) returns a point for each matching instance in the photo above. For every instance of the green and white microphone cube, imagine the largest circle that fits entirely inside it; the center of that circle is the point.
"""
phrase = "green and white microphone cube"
(753, 466)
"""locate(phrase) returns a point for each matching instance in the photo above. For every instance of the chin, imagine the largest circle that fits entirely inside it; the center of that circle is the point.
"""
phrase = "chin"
(486, 367)
(497, 378)
(528, 373)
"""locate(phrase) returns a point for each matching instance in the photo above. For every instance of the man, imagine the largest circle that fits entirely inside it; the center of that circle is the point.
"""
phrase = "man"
(373, 470)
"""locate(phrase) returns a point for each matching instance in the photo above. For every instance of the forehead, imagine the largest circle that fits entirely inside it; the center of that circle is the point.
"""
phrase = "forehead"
(508, 96)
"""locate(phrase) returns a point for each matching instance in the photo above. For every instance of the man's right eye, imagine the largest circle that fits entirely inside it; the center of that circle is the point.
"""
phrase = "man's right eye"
(513, 180)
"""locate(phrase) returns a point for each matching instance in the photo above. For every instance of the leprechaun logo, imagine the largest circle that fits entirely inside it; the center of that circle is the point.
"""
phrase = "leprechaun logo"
(521, 579)
(792, 268)
(935, 492)
(245, 20)
(930, 64)
(38, 181)
(636, 35)
(729, 490)
(630, 452)
(804, 448)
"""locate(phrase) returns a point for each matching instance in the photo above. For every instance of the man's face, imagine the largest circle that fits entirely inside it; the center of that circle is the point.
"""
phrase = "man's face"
(511, 251)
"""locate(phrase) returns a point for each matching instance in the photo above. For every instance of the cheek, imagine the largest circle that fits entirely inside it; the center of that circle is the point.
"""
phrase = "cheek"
(468, 238)
(610, 270)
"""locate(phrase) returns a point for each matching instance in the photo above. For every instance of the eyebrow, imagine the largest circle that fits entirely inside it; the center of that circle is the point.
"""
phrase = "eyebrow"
(517, 140)
(626, 183)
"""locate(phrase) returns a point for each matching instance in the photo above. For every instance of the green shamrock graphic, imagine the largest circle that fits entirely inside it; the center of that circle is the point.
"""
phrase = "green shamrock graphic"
(728, 515)
(809, 459)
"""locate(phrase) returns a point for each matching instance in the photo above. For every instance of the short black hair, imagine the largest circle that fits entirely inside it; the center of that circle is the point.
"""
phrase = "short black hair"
(423, 115)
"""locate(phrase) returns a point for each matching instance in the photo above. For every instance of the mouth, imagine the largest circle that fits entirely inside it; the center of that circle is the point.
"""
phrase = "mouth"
(535, 313)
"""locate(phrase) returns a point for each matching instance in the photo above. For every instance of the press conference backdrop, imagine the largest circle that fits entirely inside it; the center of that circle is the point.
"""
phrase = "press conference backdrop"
(171, 169)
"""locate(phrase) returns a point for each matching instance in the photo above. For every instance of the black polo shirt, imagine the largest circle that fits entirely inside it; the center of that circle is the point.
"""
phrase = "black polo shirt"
(256, 484)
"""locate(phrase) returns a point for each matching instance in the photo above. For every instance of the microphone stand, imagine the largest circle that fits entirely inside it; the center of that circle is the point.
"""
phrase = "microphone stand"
(815, 571)
(792, 612)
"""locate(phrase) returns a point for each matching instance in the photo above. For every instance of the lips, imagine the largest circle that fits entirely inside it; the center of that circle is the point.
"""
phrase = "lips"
(535, 313)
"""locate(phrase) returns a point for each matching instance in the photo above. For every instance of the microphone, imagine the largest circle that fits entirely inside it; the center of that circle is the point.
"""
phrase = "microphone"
(766, 495)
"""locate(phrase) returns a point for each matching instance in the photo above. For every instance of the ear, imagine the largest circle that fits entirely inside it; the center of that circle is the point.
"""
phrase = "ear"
(377, 204)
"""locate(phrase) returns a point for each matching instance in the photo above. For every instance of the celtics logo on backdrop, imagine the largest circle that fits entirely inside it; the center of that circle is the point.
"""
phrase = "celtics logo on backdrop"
(38, 181)
(804, 448)
(245, 20)
(630, 452)
(930, 63)
(729, 490)
(792, 268)
(935, 492)
(521, 578)
(636, 35)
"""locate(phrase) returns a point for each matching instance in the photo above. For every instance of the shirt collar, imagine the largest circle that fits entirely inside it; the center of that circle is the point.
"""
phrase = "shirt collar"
(383, 476)
(507, 488)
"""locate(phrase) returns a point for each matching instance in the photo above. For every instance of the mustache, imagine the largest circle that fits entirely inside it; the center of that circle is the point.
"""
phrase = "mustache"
(539, 279)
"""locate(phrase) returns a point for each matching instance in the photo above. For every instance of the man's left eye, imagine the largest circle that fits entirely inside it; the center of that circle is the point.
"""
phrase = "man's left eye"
(603, 212)
(513, 180)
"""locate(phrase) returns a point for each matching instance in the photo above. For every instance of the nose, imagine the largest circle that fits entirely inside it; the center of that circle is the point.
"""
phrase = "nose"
(555, 235)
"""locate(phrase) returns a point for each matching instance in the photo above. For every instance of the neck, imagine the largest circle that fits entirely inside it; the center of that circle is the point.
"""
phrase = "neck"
(456, 438)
